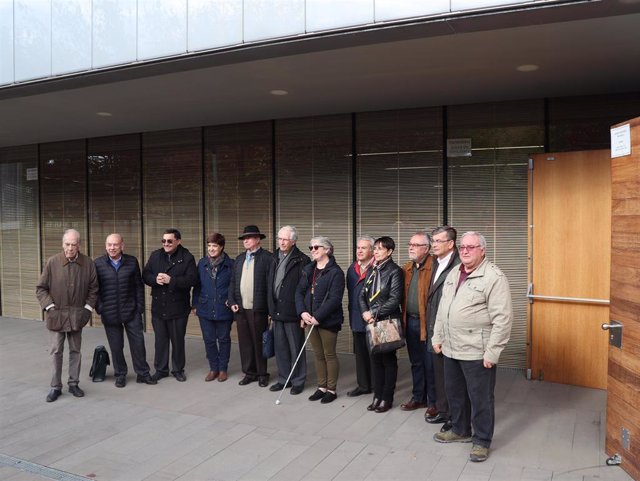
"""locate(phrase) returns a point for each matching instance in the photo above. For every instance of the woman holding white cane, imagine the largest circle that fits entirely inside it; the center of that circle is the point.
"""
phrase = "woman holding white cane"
(319, 304)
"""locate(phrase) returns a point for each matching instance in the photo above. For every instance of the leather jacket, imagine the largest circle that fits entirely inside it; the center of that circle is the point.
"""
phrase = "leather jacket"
(386, 303)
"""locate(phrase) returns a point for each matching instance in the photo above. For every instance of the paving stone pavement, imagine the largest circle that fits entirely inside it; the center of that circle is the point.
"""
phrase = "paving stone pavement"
(222, 431)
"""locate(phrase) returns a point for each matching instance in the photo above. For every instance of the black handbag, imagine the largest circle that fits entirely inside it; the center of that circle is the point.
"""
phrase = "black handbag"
(268, 350)
(385, 336)
(101, 360)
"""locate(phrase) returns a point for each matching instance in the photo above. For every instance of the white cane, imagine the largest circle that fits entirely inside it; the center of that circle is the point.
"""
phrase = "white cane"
(295, 364)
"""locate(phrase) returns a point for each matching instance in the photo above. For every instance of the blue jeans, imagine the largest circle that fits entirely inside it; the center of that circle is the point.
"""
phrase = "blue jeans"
(424, 383)
(217, 342)
(470, 387)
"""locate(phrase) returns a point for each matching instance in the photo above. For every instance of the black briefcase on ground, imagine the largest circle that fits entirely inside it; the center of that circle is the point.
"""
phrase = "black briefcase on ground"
(99, 365)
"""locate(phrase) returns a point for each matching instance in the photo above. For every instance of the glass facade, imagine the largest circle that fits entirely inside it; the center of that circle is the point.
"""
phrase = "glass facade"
(45, 38)
(375, 173)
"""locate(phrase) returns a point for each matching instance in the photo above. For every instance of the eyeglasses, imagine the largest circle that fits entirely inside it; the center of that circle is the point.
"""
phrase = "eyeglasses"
(282, 239)
(416, 245)
(468, 248)
(167, 241)
(439, 241)
(314, 248)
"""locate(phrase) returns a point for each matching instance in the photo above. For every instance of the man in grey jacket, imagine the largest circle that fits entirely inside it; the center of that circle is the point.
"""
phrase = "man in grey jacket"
(472, 328)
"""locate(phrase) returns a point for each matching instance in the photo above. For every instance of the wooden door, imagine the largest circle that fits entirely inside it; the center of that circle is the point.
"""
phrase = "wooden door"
(623, 397)
(570, 215)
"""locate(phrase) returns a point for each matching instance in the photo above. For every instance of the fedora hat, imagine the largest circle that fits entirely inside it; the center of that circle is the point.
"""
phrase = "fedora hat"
(251, 231)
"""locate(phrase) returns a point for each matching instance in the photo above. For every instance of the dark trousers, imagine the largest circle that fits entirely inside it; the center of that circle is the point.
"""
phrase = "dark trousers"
(169, 331)
(217, 343)
(115, 337)
(385, 375)
(288, 338)
(441, 395)
(424, 390)
(363, 360)
(470, 387)
(251, 324)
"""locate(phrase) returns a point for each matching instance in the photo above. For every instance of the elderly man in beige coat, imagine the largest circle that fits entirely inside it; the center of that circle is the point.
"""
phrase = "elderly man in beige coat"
(67, 291)
(472, 327)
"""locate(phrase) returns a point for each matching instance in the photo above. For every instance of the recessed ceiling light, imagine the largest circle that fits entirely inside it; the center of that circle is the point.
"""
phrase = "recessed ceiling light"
(279, 92)
(527, 68)
(104, 114)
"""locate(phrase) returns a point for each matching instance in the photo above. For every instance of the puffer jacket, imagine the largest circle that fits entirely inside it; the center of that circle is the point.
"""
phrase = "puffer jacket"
(475, 322)
(210, 294)
(386, 304)
(121, 295)
(326, 302)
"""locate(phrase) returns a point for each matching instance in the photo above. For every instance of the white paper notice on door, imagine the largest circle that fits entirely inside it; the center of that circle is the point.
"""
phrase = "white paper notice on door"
(620, 141)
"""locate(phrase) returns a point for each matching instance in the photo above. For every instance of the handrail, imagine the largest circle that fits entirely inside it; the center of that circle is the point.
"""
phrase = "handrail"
(581, 300)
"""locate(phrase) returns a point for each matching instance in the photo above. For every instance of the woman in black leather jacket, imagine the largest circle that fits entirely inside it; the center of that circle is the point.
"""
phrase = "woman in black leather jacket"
(381, 298)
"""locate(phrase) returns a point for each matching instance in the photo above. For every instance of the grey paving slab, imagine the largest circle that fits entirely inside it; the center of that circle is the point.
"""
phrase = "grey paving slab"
(222, 431)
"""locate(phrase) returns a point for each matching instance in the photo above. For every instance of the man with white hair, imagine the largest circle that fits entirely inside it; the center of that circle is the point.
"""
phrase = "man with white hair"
(472, 328)
(284, 276)
(67, 292)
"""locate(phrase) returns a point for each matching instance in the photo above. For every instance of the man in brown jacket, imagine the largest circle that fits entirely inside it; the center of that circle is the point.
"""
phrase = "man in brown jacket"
(417, 278)
(67, 292)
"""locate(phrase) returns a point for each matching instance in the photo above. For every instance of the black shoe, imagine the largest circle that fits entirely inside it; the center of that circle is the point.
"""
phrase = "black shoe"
(180, 376)
(437, 419)
(384, 406)
(76, 391)
(278, 387)
(319, 394)
(159, 375)
(263, 381)
(358, 392)
(121, 381)
(374, 405)
(297, 389)
(328, 397)
(446, 427)
(146, 379)
(247, 380)
(53, 395)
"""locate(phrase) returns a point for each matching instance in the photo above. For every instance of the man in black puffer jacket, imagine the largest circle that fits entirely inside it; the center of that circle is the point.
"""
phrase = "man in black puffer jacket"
(171, 272)
(120, 305)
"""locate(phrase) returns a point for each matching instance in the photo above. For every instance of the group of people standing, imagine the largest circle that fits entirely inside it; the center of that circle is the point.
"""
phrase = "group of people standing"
(454, 305)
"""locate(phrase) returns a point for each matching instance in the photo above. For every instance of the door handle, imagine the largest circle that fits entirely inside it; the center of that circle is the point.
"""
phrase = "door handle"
(615, 332)
(606, 327)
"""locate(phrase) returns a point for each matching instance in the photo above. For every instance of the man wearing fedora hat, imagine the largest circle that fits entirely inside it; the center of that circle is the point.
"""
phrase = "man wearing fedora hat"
(248, 300)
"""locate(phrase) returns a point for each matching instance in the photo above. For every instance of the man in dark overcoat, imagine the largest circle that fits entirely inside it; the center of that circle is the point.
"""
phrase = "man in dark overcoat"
(248, 300)
(446, 257)
(171, 273)
(284, 276)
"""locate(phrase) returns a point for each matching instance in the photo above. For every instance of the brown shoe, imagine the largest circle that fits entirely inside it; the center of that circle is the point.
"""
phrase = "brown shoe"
(222, 377)
(211, 376)
(431, 411)
(412, 406)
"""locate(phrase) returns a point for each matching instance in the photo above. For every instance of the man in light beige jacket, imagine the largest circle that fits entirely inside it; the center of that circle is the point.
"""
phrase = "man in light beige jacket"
(472, 328)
